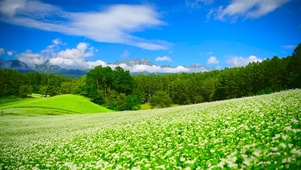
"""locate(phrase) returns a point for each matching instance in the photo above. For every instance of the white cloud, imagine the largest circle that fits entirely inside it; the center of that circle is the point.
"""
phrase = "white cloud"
(153, 68)
(288, 47)
(10, 53)
(246, 9)
(9, 7)
(125, 54)
(74, 58)
(31, 58)
(164, 58)
(56, 41)
(2, 51)
(197, 3)
(112, 25)
(212, 60)
(241, 61)
(81, 51)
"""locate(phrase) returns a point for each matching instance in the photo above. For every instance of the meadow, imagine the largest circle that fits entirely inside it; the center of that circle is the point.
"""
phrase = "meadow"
(62, 104)
(260, 132)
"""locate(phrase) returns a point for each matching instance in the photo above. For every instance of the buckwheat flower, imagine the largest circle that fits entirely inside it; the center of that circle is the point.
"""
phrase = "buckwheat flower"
(288, 128)
(256, 153)
(282, 145)
(284, 137)
(247, 162)
(296, 130)
(296, 151)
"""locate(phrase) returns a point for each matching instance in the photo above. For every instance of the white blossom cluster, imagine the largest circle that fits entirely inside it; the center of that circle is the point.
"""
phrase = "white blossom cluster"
(255, 132)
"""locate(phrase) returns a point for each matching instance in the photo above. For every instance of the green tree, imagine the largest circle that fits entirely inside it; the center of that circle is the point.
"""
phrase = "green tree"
(120, 103)
(53, 85)
(122, 81)
(79, 86)
(99, 97)
(66, 87)
(25, 90)
(99, 78)
(132, 102)
(160, 99)
(294, 68)
(43, 90)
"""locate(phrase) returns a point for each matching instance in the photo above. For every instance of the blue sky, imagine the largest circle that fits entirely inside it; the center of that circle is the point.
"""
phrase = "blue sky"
(218, 34)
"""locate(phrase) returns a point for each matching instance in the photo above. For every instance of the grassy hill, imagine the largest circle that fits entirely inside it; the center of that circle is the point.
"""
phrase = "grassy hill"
(54, 105)
(260, 132)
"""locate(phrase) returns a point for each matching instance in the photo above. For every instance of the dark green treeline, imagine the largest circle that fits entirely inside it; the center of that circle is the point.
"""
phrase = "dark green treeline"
(264, 77)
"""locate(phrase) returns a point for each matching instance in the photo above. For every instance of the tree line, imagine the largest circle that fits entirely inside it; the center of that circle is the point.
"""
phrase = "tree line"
(270, 75)
(118, 90)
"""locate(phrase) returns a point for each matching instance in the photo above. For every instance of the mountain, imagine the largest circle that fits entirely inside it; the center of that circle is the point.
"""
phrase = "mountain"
(49, 68)
(42, 68)
(144, 66)
(135, 61)
(15, 65)
(198, 68)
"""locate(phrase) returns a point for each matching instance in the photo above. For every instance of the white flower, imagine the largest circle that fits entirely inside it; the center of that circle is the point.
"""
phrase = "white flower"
(284, 137)
(288, 128)
(296, 151)
(256, 153)
(282, 145)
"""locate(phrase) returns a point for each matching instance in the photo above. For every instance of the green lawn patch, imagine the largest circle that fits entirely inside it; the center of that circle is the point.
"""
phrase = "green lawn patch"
(54, 105)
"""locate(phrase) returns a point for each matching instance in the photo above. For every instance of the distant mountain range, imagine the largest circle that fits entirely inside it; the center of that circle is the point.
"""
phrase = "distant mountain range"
(135, 61)
(145, 67)
(42, 68)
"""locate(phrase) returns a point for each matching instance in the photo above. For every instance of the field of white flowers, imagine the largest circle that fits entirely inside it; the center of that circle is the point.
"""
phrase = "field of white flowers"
(262, 132)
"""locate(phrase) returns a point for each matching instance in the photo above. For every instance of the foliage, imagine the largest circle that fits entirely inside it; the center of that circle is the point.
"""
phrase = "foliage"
(113, 88)
(261, 132)
(132, 102)
(25, 90)
(120, 102)
(9, 99)
(268, 76)
(160, 99)
(43, 90)
(13, 81)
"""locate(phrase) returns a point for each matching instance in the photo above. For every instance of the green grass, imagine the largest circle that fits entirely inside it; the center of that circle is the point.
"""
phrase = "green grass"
(54, 105)
(261, 132)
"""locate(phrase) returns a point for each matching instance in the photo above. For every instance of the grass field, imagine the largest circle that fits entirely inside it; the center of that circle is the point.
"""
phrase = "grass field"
(52, 106)
(262, 132)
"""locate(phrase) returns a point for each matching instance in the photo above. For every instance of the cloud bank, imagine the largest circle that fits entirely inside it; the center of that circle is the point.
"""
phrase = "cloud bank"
(241, 61)
(114, 24)
(77, 58)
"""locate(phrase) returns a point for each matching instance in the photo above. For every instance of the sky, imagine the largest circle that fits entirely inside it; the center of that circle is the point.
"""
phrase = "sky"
(83, 34)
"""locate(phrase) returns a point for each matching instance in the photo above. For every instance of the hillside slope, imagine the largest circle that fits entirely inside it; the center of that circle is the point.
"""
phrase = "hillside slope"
(55, 105)
(261, 132)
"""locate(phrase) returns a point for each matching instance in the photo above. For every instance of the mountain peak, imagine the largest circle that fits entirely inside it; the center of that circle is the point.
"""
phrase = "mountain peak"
(14, 64)
(135, 61)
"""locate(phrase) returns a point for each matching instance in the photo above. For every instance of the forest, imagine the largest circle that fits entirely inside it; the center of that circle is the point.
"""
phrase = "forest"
(118, 90)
